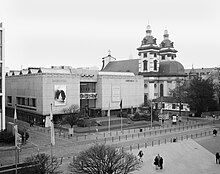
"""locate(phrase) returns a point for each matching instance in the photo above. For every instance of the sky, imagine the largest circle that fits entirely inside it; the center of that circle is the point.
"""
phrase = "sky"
(79, 33)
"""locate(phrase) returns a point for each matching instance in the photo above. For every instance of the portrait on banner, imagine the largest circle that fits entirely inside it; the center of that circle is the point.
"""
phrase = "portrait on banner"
(59, 95)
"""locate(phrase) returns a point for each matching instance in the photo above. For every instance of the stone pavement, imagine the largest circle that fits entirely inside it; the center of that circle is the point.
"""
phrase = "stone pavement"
(183, 157)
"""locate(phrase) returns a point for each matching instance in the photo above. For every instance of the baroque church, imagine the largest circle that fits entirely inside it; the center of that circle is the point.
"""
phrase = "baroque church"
(156, 64)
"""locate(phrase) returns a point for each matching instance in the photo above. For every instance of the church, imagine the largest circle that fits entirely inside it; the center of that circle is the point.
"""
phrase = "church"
(156, 64)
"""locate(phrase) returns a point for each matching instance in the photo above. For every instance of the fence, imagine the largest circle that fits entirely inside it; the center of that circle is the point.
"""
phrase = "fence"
(127, 134)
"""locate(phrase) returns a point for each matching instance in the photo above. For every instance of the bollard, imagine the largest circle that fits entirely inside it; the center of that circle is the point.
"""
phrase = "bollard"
(145, 145)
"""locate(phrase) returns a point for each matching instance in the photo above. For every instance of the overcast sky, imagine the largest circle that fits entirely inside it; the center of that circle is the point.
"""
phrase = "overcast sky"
(78, 33)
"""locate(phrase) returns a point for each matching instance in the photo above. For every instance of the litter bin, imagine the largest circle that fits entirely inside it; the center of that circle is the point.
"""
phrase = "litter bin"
(141, 130)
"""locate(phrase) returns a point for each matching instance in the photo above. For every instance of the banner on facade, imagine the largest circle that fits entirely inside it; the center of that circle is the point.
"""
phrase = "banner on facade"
(59, 95)
(116, 93)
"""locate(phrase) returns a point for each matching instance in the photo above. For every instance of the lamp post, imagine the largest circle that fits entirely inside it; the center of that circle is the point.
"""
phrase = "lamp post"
(151, 115)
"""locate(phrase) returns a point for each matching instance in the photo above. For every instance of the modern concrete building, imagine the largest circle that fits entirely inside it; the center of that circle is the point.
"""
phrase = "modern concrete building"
(2, 79)
(34, 89)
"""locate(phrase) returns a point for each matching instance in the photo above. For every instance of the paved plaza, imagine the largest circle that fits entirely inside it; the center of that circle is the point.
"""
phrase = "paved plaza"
(187, 156)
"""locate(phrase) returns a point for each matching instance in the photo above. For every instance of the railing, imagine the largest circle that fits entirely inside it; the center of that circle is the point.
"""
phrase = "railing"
(127, 134)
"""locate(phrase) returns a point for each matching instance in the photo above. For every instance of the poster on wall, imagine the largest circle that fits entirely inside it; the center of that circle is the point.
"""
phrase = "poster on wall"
(59, 95)
(116, 93)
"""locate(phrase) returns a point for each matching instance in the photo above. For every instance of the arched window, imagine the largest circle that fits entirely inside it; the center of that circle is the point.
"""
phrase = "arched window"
(155, 65)
(161, 90)
(145, 65)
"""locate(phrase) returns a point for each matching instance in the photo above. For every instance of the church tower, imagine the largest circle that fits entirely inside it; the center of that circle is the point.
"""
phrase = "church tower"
(148, 53)
(167, 51)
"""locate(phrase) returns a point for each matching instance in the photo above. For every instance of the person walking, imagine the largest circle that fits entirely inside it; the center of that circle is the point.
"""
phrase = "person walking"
(215, 132)
(217, 158)
(156, 161)
(161, 162)
(140, 154)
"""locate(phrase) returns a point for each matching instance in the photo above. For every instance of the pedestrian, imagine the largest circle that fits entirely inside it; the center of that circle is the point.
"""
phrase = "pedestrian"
(140, 154)
(156, 161)
(161, 162)
(217, 159)
(215, 132)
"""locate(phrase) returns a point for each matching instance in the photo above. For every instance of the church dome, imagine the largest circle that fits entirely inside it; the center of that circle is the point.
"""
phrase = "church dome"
(171, 68)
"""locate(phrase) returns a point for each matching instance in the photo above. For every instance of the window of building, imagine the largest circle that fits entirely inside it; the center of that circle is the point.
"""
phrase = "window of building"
(145, 55)
(163, 105)
(155, 54)
(145, 65)
(172, 57)
(163, 57)
(9, 99)
(87, 87)
(173, 106)
(155, 65)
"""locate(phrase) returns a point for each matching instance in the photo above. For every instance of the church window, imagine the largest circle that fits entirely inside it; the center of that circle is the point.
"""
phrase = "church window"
(145, 54)
(145, 85)
(163, 57)
(145, 65)
(172, 57)
(155, 65)
(155, 85)
(155, 54)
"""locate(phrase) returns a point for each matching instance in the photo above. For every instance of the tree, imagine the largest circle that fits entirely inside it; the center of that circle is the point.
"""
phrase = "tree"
(42, 164)
(72, 115)
(217, 91)
(100, 159)
(201, 95)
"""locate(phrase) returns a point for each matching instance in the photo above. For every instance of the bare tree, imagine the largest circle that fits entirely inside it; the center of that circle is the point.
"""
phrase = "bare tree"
(42, 164)
(72, 115)
(104, 159)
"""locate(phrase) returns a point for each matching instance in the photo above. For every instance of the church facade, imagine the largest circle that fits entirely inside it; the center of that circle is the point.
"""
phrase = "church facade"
(157, 64)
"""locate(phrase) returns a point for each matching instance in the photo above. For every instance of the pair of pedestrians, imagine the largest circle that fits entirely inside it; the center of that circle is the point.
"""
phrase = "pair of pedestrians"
(158, 162)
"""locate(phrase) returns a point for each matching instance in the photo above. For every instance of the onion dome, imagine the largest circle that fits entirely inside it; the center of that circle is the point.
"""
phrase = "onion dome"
(167, 45)
(148, 42)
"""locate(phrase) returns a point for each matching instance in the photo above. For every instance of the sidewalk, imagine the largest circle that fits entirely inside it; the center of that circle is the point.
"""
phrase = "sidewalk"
(185, 157)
